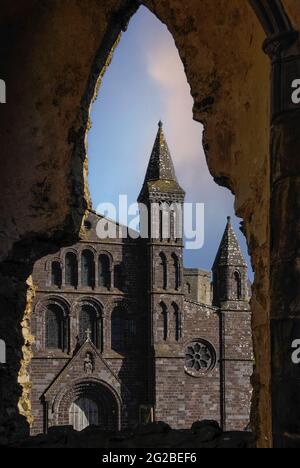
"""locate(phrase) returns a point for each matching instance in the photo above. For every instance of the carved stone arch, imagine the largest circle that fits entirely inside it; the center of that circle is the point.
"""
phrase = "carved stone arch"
(177, 321)
(87, 300)
(272, 16)
(162, 321)
(98, 324)
(39, 316)
(122, 317)
(177, 270)
(83, 247)
(108, 254)
(67, 250)
(237, 285)
(163, 281)
(60, 404)
(108, 281)
(49, 262)
(126, 304)
(53, 299)
(277, 26)
(88, 266)
(48, 265)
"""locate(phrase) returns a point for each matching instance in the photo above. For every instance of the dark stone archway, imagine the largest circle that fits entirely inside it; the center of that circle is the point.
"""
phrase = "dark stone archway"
(108, 404)
(43, 179)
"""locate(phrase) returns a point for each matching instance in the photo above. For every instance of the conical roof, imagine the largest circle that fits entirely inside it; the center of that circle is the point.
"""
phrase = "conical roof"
(160, 175)
(229, 253)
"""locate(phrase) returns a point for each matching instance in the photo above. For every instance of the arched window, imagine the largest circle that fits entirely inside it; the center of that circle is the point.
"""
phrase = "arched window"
(237, 285)
(71, 269)
(164, 322)
(176, 272)
(56, 274)
(188, 288)
(119, 277)
(129, 332)
(2, 352)
(104, 272)
(87, 269)
(163, 272)
(161, 225)
(123, 330)
(178, 323)
(90, 321)
(56, 328)
(116, 329)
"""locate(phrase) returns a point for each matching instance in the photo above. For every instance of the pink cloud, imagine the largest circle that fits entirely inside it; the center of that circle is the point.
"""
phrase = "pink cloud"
(184, 135)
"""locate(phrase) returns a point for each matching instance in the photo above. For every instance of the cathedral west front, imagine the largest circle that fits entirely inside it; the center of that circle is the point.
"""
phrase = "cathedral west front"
(125, 335)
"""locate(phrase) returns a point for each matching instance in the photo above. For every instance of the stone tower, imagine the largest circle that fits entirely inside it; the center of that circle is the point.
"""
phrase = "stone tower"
(230, 273)
(230, 295)
(163, 197)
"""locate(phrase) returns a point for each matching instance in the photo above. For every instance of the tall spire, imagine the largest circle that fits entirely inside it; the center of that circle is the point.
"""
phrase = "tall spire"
(160, 173)
(161, 166)
(229, 253)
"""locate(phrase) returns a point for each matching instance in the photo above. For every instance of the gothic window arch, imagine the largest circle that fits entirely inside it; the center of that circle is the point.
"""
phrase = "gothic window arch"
(129, 331)
(188, 288)
(119, 277)
(71, 269)
(176, 272)
(177, 322)
(123, 329)
(163, 272)
(56, 333)
(90, 320)
(163, 322)
(116, 329)
(237, 283)
(104, 271)
(56, 274)
(87, 269)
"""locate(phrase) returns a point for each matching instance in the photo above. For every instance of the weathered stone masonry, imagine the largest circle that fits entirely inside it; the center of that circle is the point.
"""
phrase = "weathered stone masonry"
(43, 125)
(145, 351)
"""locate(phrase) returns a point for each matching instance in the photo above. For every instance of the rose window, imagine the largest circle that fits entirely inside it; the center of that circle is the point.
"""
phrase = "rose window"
(199, 357)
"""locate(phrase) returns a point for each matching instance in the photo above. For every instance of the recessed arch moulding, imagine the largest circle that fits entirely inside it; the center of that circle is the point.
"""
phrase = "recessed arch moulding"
(51, 55)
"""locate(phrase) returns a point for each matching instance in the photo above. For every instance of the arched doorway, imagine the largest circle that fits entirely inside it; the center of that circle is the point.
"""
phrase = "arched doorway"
(90, 403)
(83, 413)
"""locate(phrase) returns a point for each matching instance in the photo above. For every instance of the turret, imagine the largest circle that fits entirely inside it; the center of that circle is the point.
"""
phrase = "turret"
(230, 274)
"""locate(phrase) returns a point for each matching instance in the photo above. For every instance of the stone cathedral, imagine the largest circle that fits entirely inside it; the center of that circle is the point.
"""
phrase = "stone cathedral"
(125, 335)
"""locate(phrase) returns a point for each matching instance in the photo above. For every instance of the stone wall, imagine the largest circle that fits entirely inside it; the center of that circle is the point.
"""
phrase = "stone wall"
(197, 285)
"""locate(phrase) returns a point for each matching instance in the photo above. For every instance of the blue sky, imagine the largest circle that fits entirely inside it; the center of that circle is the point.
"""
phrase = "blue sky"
(144, 84)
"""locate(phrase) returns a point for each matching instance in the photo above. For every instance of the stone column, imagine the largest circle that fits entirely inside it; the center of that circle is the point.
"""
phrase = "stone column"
(285, 238)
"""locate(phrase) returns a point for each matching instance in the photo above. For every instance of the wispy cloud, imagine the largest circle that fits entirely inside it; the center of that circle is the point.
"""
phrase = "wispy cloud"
(184, 135)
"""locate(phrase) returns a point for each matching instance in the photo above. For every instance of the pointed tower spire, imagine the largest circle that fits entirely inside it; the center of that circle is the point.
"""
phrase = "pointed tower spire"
(160, 175)
(161, 166)
(230, 273)
(229, 253)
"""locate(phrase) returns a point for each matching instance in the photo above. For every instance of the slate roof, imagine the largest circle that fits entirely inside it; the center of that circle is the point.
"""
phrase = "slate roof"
(160, 175)
(229, 253)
